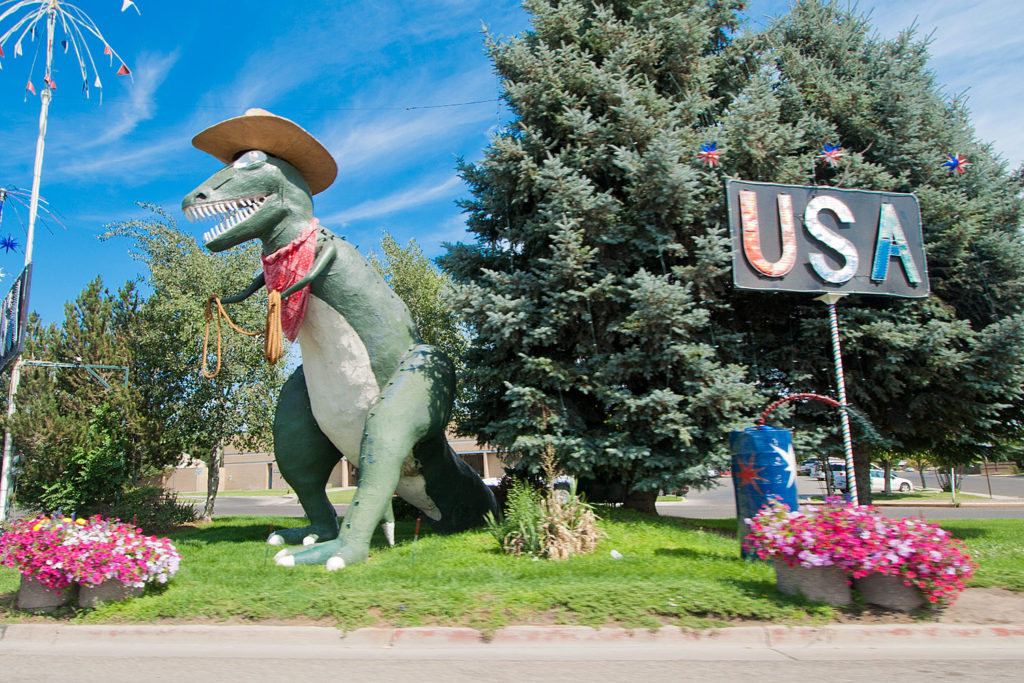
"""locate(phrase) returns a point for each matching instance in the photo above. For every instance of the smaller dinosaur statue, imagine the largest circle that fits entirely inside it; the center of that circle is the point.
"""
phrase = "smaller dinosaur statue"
(368, 388)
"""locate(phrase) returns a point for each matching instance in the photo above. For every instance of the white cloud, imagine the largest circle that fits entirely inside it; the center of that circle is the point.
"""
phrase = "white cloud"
(405, 199)
(123, 162)
(150, 72)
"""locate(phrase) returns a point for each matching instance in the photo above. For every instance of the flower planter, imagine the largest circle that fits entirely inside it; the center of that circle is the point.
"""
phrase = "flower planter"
(33, 595)
(886, 590)
(111, 590)
(820, 584)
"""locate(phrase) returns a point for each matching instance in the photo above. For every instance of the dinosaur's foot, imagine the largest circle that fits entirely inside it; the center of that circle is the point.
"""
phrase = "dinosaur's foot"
(303, 535)
(334, 554)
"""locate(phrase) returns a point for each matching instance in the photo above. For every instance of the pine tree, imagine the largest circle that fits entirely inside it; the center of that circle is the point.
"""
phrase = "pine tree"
(598, 287)
(941, 374)
(73, 426)
(593, 282)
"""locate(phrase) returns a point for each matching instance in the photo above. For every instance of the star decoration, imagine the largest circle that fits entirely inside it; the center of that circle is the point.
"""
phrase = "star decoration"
(709, 154)
(748, 474)
(789, 457)
(956, 164)
(830, 155)
(9, 244)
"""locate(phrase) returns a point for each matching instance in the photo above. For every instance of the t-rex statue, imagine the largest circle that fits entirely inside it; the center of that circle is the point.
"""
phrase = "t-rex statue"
(368, 388)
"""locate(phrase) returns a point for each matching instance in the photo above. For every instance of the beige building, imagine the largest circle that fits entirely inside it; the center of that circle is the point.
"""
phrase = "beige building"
(259, 471)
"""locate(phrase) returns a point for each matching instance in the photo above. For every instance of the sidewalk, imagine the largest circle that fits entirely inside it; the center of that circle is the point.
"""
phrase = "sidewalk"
(538, 643)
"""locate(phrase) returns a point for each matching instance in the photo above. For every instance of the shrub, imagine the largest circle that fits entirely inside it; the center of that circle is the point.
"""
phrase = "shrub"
(150, 507)
(548, 524)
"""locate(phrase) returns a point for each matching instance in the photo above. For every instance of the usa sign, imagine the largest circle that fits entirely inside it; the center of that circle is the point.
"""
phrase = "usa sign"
(824, 239)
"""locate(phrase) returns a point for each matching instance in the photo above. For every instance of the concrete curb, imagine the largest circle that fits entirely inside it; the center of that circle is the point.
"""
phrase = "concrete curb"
(255, 637)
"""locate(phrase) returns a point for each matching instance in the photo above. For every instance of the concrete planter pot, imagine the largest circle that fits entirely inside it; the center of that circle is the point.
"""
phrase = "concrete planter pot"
(111, 590)
(820, 584)
(34, 596)
(889, 591)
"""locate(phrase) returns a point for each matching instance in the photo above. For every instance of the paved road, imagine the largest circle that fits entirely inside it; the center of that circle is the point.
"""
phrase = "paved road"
(1006, 489)
(719, 501)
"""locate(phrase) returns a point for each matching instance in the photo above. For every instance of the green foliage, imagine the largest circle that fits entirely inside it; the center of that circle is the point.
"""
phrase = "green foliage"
(81, 440)
(151, 508)
(521, 529)
(549, 522)
(79, 478)
(187, 412)
(599, 257)
(598, 286)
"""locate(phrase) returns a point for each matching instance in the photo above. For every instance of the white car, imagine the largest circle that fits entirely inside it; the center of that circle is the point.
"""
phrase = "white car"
(878, 482)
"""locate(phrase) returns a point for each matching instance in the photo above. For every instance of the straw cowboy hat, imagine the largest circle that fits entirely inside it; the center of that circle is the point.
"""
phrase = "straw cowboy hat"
(259, 129)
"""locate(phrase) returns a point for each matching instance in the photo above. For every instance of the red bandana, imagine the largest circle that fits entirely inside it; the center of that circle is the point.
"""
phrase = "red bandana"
(285, 267)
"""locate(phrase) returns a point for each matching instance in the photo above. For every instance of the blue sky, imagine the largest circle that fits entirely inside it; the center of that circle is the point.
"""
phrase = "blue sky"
(367, 78)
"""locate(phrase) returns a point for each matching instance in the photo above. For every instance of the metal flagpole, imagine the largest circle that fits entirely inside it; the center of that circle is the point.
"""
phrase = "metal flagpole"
(77, 26)
(837, 355)
(6, 481)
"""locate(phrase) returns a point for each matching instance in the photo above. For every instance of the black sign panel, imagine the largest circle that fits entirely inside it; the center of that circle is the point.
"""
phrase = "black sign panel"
(824, 239)
(14, 318)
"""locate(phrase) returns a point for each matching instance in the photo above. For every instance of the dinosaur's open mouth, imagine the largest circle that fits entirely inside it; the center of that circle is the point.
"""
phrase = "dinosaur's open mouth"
(230, 211)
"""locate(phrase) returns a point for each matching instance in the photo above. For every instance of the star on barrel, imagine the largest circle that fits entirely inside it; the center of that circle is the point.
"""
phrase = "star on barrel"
(749, 475)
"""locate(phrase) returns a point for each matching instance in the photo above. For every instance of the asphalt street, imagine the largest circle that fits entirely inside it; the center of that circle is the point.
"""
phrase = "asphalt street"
(717, 502)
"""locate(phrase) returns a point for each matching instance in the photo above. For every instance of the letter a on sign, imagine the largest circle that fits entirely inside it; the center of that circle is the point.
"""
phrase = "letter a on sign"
(892, 242)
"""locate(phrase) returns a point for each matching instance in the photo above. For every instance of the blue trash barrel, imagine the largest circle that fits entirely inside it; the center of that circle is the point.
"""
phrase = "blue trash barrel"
(763, 468)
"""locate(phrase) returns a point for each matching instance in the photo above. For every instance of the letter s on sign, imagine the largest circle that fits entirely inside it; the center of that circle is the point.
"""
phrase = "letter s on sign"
(838, 243)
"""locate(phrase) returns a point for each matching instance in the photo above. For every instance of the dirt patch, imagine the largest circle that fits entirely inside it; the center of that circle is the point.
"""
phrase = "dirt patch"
(985, 606)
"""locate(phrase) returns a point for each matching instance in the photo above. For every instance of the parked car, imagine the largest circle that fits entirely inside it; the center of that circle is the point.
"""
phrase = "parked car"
(878, 482)
(838, 467)
(809, 466)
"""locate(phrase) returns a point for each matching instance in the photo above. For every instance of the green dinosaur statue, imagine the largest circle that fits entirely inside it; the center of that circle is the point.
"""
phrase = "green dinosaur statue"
(368, 389)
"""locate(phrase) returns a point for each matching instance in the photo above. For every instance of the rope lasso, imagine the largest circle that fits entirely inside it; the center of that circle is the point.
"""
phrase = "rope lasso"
(273, 345)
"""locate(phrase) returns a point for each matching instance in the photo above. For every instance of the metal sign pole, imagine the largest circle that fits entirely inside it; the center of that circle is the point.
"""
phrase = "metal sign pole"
(837, 355)
(6, 480)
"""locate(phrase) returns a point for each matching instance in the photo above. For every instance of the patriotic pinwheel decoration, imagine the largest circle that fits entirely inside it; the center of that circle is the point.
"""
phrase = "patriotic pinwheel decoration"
(956, 164)
(709, 154)
(9, 244)
(830, 155)
(28, 16)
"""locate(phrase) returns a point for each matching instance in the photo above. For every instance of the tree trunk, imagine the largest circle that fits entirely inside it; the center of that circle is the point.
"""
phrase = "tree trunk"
(642, 501)
(888, 481)
(862, 471)
(213, 463)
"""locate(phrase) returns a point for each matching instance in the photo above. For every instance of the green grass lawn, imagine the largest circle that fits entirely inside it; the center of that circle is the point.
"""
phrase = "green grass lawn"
(334, 495)
(674, 571)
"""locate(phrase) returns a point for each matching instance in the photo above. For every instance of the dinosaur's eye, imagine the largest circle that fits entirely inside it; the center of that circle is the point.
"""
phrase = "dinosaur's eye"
(250, 158)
